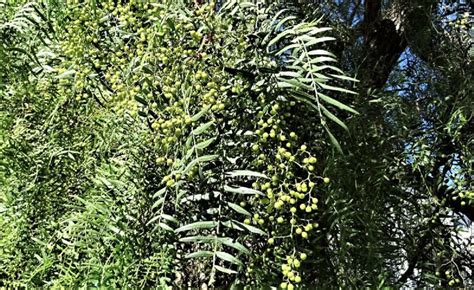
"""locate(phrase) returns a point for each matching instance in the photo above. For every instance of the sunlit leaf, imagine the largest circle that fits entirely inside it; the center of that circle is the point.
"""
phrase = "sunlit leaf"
(238, 208)
(197, 225)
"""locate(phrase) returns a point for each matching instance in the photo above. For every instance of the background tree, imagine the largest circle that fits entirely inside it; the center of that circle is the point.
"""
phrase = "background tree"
(400, 209)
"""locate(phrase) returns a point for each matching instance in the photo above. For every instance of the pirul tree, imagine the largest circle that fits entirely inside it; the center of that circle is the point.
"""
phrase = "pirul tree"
(295, 144)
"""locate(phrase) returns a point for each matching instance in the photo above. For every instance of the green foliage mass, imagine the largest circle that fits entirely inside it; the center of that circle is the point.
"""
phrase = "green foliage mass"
(155, 145)
(236, 144)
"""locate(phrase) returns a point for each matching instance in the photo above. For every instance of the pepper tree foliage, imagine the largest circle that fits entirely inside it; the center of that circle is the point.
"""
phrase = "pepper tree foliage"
(170, 144)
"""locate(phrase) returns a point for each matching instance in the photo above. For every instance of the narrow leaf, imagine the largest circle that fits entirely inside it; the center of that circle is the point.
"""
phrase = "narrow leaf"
(193, 239)
(288, 47)
(203, 128)
(320, 52)
(229, 258)
(165, 227)
(250, 228)
(159, 192)
(346, 78)
(238, 208)
(197, 225)
(205, 158)
(289, 74)
(333, 118)
(332, 88)
(236, 173)
(334, 141)
(238, 246)
(204, 144)
(169, 218)
(225, 270)
(242, 190)
(283, 21)
(319, 40)
(278, 37)
(336, 103)
(200, 114)
(199, 254)
(158, 202)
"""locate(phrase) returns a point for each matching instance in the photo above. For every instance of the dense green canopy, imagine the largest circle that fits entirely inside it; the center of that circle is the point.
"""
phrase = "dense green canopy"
(296, 144)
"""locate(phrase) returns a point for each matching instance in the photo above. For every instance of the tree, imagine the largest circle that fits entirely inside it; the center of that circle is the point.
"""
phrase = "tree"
(403, 185)
(202, 144)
